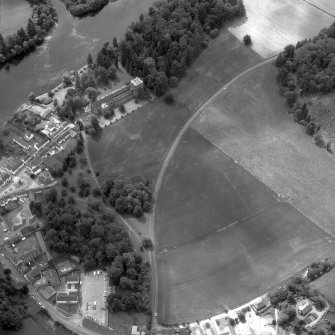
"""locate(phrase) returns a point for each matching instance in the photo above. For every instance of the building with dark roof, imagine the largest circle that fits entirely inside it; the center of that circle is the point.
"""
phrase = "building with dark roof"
(30, 255)
(22, 143)
(26, 231)
(67, 298)
(36, 272)
(52, 277)
(47, 292)
(64, 268)
(73, 278)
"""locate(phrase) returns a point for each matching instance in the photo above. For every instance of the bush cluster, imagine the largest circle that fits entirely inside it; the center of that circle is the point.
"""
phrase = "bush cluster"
(127, 196)
(43, 18)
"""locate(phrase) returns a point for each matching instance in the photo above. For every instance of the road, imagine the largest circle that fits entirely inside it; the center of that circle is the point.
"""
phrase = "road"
(162, 171)
(168, 157)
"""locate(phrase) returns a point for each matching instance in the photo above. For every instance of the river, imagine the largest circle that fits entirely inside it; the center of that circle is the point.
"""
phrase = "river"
(66, 48)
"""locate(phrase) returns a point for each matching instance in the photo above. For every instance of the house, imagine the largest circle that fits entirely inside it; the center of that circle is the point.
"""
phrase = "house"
(41, 144)
(72, 281)
(67, 298)
(135, 86)
(22, 143)
(41, 282)
(64, 268)
(14, 166)
(30, 255)
(134, 330)
(36, 272)
(258, 306)
(38, 109)
(52, 278)
(305, 308)
(73, 278)
(47, 292)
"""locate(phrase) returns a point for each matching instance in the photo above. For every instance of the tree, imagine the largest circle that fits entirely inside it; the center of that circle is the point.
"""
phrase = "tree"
(112, 72)
(92, 94)
(138, 211)
(31, 97)
(65, 182)
(31, 28)
(77, 82)
(147, 244)
(67, 80)
(89, 60)
(169, 98)
(247, 40)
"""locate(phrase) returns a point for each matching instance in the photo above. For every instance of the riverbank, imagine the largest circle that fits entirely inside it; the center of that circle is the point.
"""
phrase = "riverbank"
(41, 21)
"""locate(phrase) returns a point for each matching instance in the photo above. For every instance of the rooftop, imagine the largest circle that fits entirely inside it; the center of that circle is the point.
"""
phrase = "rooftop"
(74, 277)
(137, 81)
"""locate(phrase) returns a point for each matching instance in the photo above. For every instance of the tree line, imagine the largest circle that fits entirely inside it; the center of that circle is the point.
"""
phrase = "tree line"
(304, 69)
(162, 45)
(87, 7)
(43, 18)
(311, 62)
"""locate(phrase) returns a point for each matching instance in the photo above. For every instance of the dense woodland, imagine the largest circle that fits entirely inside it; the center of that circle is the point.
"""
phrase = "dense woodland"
(128, 197)
(311, 62)
(100, 242)
(43, 18)
(11, 313)
(85, 7)
(161, 46)
(83, 84)
(304, 69)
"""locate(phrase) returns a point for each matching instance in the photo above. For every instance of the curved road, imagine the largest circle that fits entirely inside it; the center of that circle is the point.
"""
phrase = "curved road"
(158, 184)
(165, 164)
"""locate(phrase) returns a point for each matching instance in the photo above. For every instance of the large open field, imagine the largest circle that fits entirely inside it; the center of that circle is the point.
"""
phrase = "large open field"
(249, 122)
(273, 24)
(137, 144)
(223, 236)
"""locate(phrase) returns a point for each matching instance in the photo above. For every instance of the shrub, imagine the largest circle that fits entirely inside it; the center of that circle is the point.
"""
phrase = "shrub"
(31, 97)
(310, 129)
(247, 40)
(214, 33)
(330, 146)
(319, 140)
(122, 109)
(291, 98)
(169, 98)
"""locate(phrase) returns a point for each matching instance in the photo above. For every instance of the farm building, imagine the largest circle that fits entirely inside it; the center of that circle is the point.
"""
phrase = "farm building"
(305, 308)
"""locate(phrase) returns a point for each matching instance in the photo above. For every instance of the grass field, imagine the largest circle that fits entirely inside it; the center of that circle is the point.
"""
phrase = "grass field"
(137, 144)
(273, 24)
(249, 122)
(223, 237)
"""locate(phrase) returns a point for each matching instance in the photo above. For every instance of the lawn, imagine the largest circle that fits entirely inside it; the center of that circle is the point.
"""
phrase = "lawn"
(121, 322)
(325, 285)
(137, 144)
(273, 24)
(222, 235)
(249, 122)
